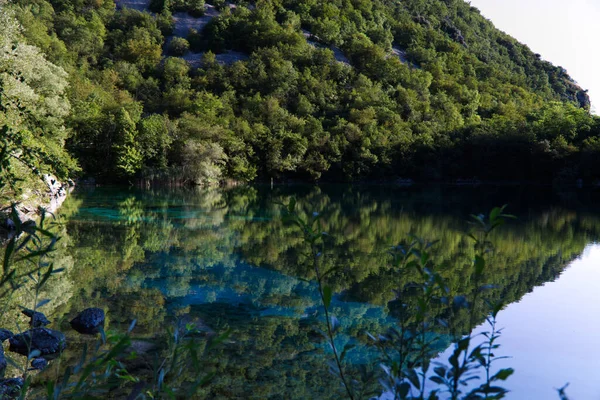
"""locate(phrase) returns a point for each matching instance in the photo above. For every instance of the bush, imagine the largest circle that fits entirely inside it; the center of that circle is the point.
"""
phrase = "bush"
(178, 46)
(193, 7)
(195, 40)
(165, 23)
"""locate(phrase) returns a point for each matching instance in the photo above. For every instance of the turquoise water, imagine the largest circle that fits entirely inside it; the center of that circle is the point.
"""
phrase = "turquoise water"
(227, 258)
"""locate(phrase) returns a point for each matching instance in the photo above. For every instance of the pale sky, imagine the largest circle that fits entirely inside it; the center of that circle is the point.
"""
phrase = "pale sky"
(566, 33)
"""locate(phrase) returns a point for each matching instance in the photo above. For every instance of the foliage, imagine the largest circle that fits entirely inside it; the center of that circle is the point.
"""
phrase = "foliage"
(178, 47)
(409, 349)
(342, 90)
(33, 106)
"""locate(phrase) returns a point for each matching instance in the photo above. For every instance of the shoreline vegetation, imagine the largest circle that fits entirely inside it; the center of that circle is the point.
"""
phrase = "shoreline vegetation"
(425, 90)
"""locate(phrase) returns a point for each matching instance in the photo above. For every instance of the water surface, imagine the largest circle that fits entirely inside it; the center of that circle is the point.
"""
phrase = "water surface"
(226, 257)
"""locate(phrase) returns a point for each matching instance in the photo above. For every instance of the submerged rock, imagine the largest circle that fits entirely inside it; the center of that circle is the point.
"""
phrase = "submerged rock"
(38, 319)
(10, 388)
(3, 362)
(5, 334)
(90, 321)
(47, 341)
(142, 346)
(39, 363)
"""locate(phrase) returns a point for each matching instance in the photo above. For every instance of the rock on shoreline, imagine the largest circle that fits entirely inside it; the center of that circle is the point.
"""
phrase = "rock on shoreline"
(50, 199)
(47, 341)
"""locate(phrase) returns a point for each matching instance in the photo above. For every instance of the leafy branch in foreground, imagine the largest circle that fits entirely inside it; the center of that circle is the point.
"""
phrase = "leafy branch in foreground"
(426, 312)
(408, 373)
(314, 237)
(106, 369)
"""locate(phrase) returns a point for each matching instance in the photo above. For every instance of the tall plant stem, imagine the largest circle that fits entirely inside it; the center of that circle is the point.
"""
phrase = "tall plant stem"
(329, 327)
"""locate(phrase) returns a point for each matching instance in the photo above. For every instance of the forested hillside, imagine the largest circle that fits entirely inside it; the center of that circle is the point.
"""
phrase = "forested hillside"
(285, 89)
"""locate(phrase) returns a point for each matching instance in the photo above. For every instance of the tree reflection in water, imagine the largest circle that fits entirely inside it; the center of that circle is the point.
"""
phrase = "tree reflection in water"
(226, 258)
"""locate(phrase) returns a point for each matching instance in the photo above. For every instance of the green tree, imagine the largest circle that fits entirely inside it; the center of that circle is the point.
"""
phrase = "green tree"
(129, 156)
(33, 107)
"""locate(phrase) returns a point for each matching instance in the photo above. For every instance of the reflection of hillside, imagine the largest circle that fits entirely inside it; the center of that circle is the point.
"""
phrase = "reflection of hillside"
(227, 256)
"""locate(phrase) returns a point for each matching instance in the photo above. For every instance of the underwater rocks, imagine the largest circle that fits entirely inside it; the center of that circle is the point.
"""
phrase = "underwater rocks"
(39, 363)
(5, 334)
(46, 341)
(10, 388)
(3, 362)
(38, 319)
(89, 322)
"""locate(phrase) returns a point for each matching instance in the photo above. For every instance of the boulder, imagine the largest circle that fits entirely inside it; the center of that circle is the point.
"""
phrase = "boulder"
(38, 319)
(47, 341)
(39, 363)
(10, 388)
(3, 362)
(5, 334)
(90, 321)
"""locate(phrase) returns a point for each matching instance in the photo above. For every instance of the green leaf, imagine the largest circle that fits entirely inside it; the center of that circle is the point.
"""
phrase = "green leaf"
(327, 294)
(8, 254)
(220, 339)
(479, 264)
(503, 374)
(403, 390)
(496, 211)
(437, 380)
(292, 205)
(412, 376)
(46, 276)
(347, 348)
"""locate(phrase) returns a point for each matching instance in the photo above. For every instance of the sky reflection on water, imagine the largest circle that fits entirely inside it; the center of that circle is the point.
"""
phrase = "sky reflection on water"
(551, 335)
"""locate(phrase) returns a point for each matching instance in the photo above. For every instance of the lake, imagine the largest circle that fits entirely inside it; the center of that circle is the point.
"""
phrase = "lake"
(226, 258)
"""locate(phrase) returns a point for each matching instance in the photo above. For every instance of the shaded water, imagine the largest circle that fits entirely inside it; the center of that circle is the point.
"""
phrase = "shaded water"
(225, 256)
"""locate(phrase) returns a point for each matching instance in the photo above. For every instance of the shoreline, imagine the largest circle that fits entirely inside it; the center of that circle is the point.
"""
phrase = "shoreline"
(50, 199)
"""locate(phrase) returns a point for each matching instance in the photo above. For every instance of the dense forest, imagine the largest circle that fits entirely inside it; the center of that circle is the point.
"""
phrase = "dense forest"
(341, 90)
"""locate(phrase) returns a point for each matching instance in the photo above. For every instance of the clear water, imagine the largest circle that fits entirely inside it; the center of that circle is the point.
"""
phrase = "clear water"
(226, 258)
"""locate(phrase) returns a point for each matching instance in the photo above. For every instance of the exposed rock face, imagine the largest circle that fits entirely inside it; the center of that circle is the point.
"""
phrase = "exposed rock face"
(184, 22)
(315, 41)
(454, 33)
(419, 19)
(38, 319)
(5, 334)
(47, 341)
(31, 202)
(140, 5)
(583, 99)
(227, 58)
(39, 363)
(90, 321)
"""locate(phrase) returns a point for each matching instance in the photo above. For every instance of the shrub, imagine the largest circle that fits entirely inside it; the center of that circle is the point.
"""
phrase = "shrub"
(178, 46)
